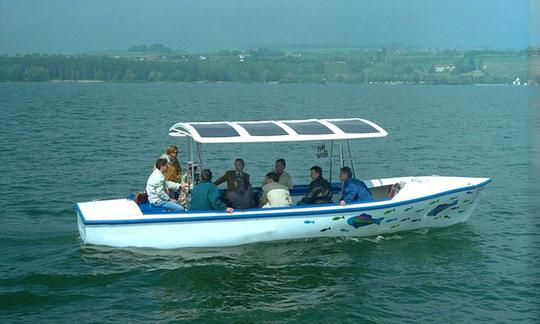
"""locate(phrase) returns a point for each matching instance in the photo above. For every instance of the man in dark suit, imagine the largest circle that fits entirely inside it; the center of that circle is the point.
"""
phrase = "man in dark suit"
(238, 194)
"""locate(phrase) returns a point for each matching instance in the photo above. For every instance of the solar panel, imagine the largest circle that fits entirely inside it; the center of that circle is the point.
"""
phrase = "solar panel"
(215, 130)
(354, 126)
(263, 129)
(310, 128)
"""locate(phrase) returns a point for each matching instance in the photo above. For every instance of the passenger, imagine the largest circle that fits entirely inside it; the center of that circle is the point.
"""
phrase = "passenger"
(354, 190)
(156, 187)
(184, 196)
(238, 193)
(205, 195)
(174, 171)
(283, 176)
(274, 194)
(188, 178)
(320, 190)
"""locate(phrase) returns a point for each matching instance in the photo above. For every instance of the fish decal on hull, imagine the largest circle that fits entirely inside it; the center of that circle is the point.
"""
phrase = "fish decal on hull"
(407, 209)
(338, 218)
(309, 222)
(326, 229)
(363, 220)
(389, 211)
(440, 208)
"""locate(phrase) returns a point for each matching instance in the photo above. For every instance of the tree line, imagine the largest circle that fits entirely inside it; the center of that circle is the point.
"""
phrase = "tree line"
(263, 65)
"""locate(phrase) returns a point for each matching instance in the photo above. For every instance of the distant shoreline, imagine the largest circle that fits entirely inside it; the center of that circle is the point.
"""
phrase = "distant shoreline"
(269, 83)
(76, 81)
(265, 66)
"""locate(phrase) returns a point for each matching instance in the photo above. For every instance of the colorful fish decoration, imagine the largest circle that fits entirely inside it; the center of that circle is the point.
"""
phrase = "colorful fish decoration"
(309, 222)
(466, 200)
(390, 220)
(363, 220)
(453, 198)
(454, 208)
(344, 230)
(440, 208)
(326, 229)
(389, 211)
(394, 226)
(420, 210)
(338, 218)
(405, 219)
(434, 202)
(407, 209)
(416, 220)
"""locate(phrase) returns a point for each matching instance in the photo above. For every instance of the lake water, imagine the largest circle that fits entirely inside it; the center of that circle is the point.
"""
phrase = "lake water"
(64, 143)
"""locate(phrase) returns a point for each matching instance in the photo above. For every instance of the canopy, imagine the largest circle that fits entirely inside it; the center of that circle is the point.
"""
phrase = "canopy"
(278, 131)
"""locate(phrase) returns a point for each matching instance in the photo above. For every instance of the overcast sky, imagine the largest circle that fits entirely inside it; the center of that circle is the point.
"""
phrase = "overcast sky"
(71, 26)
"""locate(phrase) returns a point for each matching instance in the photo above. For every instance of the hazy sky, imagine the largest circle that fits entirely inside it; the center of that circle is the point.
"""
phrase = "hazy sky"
(200, 25)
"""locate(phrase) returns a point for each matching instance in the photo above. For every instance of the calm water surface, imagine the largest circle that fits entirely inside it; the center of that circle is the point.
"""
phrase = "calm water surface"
(63, 143)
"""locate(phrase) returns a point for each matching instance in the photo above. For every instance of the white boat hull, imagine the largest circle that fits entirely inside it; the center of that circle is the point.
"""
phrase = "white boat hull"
(424, 202)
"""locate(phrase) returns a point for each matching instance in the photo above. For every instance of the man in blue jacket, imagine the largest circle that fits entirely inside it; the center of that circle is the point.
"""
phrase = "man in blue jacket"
(205, 195)
(354, 190)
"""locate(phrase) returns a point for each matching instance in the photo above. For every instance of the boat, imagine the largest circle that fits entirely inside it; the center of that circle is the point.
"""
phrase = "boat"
(399, 204)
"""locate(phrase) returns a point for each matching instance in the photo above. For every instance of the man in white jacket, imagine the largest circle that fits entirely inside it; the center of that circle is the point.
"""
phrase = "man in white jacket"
(274, 194)
(156, 185)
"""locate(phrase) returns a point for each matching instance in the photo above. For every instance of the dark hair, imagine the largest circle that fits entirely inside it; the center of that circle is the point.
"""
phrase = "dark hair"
(282, 161)
(241, 161)
(317, 169)
(272, 175)
(347, 171)
(160, 163)
(206, 175)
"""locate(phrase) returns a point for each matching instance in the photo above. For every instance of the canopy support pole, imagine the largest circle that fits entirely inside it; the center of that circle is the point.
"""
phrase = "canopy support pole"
(190, 179)
(200, 156)
(331, 158)
(351, 158)
(342, 162)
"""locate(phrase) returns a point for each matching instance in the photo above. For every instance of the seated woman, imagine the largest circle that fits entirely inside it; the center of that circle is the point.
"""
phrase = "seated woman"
(320, 190)
(205, 195)
(274, 194)
(238, 193)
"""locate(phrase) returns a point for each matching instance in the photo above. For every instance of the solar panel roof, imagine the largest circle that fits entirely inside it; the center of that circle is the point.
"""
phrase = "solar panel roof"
(263, 129)
(215, 130)
(278, 131)
(309, 128)
(353, 126)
